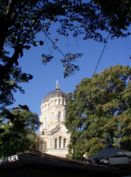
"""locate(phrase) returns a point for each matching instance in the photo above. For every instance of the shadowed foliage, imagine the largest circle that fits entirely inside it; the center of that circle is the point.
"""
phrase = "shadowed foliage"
(99, 112)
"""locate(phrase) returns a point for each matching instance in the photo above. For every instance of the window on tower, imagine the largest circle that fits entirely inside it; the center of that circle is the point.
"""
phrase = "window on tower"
(59, 101)
(64, 143)
(59, 116)
(60, 138)
(55, 143)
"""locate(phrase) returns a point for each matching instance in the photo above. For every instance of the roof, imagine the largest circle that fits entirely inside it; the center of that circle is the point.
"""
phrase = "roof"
(111, 151)
(115, 157)
(55, 93)
(38, 164)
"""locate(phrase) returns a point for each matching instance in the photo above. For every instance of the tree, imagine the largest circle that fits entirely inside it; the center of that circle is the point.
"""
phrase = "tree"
(18, 132)
(20, 21)
(99, 112)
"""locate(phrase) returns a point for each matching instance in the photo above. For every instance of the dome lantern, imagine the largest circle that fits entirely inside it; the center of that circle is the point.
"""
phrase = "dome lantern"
(57, 85)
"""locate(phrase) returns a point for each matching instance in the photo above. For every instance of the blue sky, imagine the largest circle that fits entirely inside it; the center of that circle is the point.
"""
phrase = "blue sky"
(117, 51)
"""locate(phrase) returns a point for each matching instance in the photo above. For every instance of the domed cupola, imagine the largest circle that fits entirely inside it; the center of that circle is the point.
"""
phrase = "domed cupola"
(55, 93)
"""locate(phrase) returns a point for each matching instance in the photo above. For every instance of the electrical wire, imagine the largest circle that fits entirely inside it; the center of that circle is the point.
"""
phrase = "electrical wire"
(62, 53)
(54, 45)
(102, 52)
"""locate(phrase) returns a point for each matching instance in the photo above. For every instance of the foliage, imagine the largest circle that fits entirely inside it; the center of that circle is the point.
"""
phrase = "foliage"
(99, 112)
(17, 131)
(21, 21)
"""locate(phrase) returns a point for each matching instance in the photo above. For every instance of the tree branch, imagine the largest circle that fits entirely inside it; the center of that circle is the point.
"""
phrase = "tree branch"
(5, 23)
(13, 60)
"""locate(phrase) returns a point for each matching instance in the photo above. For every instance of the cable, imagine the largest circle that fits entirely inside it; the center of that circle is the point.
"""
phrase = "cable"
(62, 53)
(102, 52)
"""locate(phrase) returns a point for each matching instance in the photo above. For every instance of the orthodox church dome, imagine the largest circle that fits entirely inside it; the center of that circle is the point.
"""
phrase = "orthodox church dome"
(55, 93)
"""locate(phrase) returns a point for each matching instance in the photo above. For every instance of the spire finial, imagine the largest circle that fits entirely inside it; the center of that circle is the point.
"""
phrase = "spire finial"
(57, 85)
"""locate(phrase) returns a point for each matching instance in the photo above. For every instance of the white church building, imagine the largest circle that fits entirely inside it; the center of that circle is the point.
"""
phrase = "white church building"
(54, 137)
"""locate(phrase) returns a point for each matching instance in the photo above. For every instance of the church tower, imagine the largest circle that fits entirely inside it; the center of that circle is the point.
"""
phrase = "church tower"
(53, 134)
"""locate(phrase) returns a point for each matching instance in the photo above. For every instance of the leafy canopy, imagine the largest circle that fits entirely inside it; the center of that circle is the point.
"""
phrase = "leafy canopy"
(17, 131)
(99, 112)
(21, 21)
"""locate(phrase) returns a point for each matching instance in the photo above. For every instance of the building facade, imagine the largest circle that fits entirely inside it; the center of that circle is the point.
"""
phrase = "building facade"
(54, 137)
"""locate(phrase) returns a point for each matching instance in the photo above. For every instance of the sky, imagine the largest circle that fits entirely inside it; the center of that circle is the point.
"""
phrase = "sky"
(44, 79)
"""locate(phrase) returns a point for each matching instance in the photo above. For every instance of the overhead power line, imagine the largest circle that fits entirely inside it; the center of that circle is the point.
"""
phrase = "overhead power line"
(102, 52)
(62, 53)
(54, 45)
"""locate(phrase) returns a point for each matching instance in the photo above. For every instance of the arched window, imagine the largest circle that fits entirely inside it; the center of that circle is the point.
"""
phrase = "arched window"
(59, 101)
(55, 143)
(64, 143)
(60, 138)
(64, 102)
(59, 116)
